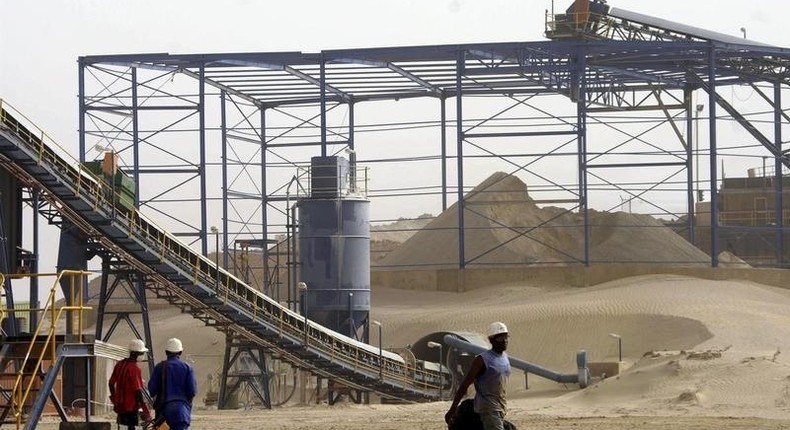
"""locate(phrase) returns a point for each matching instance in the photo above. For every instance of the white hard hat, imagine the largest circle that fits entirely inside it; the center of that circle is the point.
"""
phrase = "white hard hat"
(174, 345)
(496, 328)
(137, 345)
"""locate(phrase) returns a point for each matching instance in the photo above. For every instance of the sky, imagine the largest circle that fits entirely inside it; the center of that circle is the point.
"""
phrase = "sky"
(40, 40)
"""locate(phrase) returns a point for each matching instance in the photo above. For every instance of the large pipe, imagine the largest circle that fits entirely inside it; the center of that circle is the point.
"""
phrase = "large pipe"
(582, 377)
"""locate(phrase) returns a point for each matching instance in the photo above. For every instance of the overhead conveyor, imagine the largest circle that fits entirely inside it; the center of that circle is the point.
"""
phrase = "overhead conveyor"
(196, 284)
(595, 19)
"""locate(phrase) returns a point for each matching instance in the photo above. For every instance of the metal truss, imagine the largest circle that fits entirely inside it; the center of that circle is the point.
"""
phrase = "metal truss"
(222, 136)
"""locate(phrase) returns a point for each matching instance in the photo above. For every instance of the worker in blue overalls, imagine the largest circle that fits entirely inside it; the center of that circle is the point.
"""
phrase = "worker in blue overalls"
(173, 386)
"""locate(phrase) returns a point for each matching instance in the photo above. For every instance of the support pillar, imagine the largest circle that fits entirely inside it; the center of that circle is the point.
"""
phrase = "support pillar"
(244, 365)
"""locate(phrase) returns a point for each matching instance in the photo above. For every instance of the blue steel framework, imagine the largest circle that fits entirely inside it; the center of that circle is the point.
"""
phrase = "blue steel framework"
(277, 109)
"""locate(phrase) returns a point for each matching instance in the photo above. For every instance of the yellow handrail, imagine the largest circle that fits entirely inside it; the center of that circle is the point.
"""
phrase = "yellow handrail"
(31, 364)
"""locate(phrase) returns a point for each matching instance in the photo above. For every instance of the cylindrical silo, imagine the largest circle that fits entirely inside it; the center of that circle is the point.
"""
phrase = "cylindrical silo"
(334, 257)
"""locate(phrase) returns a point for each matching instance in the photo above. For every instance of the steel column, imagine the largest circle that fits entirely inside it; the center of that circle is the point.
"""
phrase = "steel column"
(690, 157)
(714, 199)
(459, 85)
(224, 167)
(202, 168)
(443, 126)
(581, 132)
(34, 301)
(135, 139)
(264, 204)
(778, 178)
(81, 107)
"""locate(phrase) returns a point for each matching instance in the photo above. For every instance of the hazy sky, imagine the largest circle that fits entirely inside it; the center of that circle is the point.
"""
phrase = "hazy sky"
(41, 40)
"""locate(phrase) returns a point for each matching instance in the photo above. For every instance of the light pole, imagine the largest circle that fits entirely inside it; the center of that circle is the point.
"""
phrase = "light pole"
(696, 150)
(303, 294)
(215, 230)
(441, 375)
(743, 30)
(381, 363)
(619, 345)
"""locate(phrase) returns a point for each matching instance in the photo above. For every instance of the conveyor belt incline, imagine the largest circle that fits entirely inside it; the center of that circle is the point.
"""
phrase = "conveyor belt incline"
(187, 279)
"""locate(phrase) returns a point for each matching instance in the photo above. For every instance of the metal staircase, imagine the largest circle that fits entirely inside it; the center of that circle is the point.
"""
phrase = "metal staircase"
(14, 366)
(30, 363)
(188, 280)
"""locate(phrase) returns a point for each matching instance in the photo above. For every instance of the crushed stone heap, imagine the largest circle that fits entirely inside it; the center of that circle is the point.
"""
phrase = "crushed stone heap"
(504, 225)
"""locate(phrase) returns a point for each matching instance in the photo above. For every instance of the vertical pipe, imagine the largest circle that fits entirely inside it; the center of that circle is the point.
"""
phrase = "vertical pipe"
(443, 125)
(322, 81)
(778, 177)
(290, 280)
(697, 110)
(459, 71)
(714, 198)
(135, 139)
(292, 258)
(202, 138)
(352, 157)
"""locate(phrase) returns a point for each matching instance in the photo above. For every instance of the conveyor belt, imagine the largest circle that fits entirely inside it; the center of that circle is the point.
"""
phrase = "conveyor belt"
(188, 279)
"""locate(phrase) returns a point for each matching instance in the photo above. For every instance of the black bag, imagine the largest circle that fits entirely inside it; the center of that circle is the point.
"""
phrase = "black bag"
(159, 400)
(467, 418)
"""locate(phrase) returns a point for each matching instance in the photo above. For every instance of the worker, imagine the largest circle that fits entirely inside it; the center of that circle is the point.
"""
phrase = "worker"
(174, 386)
(489, 372)
(126, 388)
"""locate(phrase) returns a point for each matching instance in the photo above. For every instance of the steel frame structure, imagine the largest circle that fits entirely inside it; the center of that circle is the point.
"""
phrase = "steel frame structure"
(252, 119)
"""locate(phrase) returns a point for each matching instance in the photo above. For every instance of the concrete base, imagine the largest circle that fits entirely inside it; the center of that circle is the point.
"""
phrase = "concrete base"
(604, 369)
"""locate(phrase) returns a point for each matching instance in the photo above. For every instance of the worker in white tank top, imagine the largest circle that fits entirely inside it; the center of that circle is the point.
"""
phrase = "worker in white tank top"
(489, 373)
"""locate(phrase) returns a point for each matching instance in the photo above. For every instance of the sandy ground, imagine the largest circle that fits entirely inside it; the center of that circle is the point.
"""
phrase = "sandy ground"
(424, 417)
(697, 354)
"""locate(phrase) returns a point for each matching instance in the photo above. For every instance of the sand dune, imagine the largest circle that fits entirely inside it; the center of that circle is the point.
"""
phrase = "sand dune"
(697, 353)
(691, 347)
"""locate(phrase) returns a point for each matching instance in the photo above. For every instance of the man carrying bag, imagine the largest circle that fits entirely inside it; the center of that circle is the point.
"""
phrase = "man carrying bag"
(173, 385)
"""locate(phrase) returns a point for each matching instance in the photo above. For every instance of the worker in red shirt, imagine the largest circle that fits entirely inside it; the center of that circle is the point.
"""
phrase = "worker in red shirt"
(126, 385)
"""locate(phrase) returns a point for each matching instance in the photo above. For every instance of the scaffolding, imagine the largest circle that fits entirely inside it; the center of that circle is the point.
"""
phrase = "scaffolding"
(582, 122)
